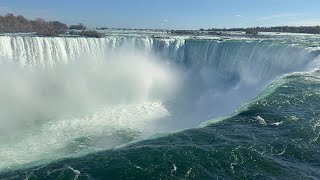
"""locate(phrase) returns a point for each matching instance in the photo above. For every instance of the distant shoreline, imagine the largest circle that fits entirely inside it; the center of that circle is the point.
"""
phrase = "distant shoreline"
(39, 27)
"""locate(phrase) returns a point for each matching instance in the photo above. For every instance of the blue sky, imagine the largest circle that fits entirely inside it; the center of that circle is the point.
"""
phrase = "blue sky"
(170, 14)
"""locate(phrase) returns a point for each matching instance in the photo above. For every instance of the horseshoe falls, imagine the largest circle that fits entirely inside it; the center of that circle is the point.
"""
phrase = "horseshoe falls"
(173, 107)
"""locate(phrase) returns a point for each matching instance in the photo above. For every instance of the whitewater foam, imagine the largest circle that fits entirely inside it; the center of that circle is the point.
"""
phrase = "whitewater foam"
(107, 128)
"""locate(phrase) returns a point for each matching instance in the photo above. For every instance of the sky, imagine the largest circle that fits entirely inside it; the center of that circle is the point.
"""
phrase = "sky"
(169, 14)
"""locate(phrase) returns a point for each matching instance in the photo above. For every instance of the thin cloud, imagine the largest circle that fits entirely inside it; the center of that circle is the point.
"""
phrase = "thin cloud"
(306, 22)
(238, 15)
(277, 16)
(32, 14)
(5, 10)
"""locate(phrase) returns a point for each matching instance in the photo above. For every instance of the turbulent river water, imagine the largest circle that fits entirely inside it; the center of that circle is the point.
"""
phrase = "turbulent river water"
(144, 107)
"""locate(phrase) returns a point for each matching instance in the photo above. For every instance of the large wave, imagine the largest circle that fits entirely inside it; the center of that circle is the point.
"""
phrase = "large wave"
(66, 95)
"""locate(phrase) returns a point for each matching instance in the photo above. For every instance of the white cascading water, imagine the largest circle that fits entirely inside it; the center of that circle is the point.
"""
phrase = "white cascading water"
(60, 96)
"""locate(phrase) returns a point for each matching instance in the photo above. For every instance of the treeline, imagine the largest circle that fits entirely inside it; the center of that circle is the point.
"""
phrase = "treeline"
(19, 24)
(78, 27)
(291, 29)
(88, 33)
